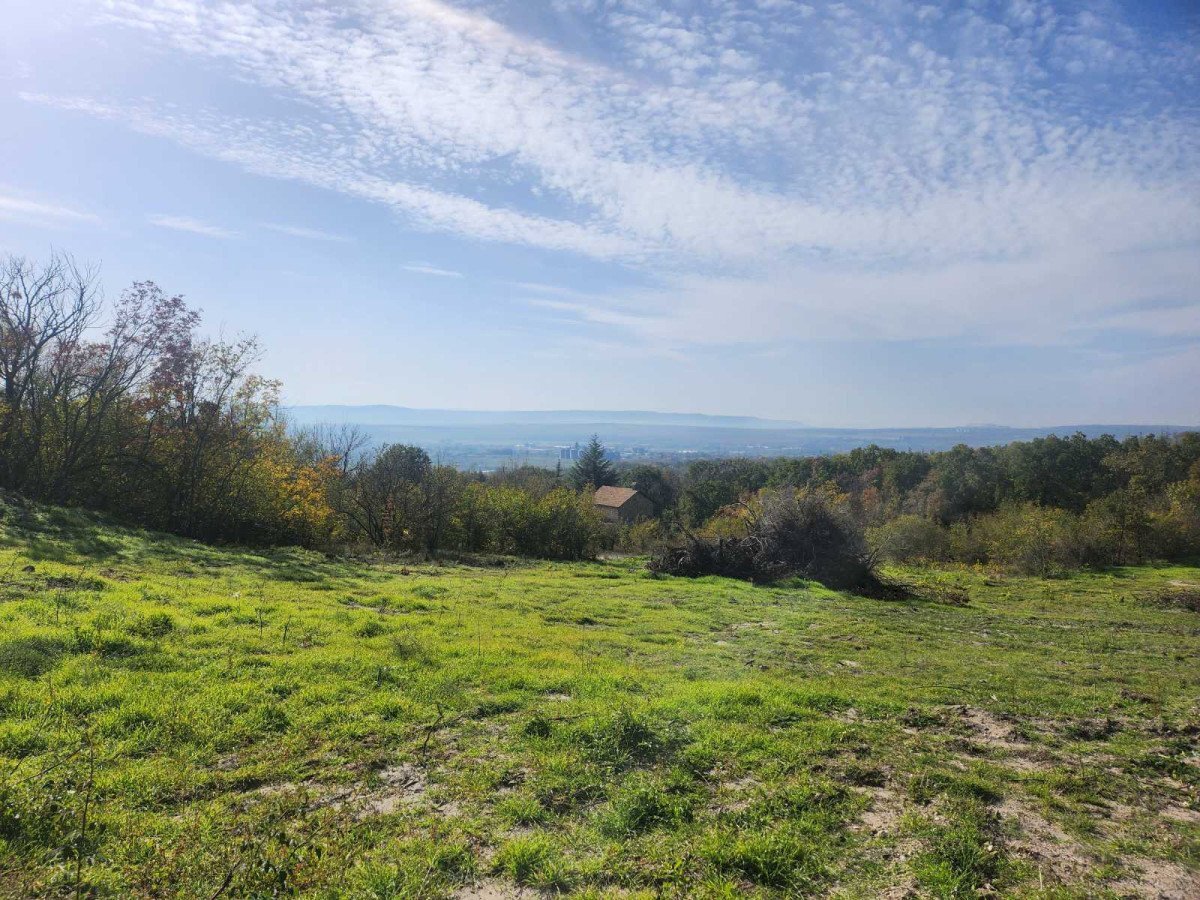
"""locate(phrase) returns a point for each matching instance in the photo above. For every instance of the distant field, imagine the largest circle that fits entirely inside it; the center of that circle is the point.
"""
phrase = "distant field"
(178, 720)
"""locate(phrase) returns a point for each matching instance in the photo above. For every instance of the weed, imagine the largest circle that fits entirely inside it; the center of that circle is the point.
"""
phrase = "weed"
(963, 854)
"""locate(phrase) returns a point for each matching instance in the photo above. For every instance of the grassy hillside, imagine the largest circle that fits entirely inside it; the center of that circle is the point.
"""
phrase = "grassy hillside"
(179, 720)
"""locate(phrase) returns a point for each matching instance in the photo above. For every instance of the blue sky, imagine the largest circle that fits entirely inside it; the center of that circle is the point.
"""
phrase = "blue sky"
(846, 214)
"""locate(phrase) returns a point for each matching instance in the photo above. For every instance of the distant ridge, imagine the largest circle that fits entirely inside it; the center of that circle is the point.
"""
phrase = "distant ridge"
(383, 414)
(386, 414)
(486, 439)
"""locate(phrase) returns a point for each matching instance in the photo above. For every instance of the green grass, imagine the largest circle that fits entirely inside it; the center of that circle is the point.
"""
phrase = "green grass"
(183, 720)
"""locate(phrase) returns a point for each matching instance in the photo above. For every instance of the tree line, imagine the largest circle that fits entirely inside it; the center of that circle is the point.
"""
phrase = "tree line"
(1035, 506)
(127, 407)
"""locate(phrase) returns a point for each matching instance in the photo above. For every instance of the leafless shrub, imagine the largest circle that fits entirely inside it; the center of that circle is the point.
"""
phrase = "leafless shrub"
(786, 533)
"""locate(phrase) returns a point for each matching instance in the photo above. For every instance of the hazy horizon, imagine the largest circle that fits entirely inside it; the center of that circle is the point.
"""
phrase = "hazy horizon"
(850, 215)
(683, 413)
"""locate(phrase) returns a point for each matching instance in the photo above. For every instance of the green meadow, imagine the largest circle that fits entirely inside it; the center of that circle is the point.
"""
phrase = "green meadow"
(179, 720)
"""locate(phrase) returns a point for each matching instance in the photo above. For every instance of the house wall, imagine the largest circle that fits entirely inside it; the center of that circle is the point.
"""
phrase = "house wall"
(635, 510)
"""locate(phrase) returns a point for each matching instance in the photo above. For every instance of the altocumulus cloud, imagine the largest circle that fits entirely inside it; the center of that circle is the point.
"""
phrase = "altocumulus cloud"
(1020, 172)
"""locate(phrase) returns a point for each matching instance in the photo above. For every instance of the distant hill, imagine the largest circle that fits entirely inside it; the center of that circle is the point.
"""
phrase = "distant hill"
(403, 415)
(476, 439)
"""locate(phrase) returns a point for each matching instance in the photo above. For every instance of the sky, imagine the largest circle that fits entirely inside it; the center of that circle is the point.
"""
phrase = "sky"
(844, 214)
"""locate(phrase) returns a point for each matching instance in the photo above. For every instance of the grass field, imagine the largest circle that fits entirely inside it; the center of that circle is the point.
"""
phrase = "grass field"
(179, 720)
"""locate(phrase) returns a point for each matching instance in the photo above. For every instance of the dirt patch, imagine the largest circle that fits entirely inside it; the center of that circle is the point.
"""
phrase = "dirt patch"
(1181, 814)
(991, 730)
(493, 889)
(885, 845)
(228, 763)
(273, 790)
(734, 794)
(884, 814)
(995, 735)
(400, 786)
(1058, 854)
(1051, 849)
(1159, 880)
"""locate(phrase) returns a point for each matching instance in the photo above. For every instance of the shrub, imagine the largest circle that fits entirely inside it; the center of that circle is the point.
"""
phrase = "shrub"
(644, 537)
(1023, 537)
(910, 538)
(786, 533)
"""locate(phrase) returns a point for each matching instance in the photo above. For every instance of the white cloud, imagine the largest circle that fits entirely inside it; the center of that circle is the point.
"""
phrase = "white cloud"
(1042, 299)
(879, 171)
(190, 225)
(312, 234)
(426, 269)
(36, 212)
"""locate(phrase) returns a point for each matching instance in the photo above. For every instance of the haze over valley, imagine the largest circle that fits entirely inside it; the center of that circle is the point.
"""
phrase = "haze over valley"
(475, 439)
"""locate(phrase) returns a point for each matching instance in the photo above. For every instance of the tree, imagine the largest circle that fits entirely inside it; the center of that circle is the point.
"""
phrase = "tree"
(45, 311)
(386, 496)
(657, 485)
(592, 468)
(713, 483)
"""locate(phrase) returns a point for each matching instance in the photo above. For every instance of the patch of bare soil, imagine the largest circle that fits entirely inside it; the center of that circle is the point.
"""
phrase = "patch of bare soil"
(228, 762)
(1051, 849)
(735, 794)
(1064, 859)
(990, 729)
(994, 734)
(271, 790)
(1177, 813)
(1159, 880)
(400, 786)
(882, 820)
(493, 889)
(1180, 595)
(884, 814)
